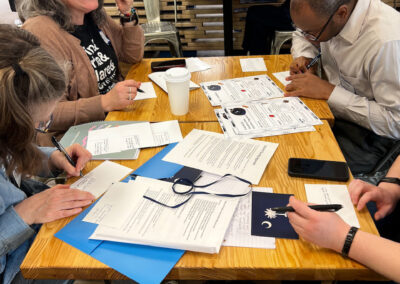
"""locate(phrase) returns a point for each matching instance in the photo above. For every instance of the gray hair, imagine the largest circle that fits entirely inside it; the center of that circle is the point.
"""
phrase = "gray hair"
(321, 7)
(56, 10)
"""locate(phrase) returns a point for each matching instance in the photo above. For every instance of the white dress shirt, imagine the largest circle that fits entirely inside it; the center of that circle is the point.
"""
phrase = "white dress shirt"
(363, 62)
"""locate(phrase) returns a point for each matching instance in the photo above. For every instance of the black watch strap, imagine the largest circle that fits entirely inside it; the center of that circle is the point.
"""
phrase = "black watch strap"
(390, 180)
(349, 240)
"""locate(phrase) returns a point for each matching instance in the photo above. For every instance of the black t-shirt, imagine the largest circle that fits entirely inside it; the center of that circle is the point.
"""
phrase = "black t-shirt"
(100, 52)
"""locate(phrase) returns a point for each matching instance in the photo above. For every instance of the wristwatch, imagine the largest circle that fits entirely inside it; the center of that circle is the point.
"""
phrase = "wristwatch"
(131, 16)
(390, 180)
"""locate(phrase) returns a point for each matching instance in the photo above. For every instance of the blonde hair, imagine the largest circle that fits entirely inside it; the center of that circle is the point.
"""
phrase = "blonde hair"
(57, 10)
(29, 77)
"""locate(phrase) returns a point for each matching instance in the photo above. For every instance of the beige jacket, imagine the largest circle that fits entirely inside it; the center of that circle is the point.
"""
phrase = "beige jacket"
(81, 102)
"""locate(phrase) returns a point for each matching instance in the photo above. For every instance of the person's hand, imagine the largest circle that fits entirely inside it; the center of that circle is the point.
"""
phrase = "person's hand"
(386, 196)
(308, 85)
(53, 204)
(124, 5)
(79, 154)
(121, 96)
(325, 229)
(299, 66)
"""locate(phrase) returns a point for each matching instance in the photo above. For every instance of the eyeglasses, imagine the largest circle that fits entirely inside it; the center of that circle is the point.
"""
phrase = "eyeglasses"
(311, 37)
(45, 126)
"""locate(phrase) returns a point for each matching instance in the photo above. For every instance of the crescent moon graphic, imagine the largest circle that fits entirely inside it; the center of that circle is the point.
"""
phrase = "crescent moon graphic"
(269, 225)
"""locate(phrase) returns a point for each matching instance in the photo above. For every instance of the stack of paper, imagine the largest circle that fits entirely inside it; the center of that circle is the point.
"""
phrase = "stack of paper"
(266, 118)
(199, 225)
(241, 90)
(133, 136)
(253, 65)
(194, 64)
(158, 78)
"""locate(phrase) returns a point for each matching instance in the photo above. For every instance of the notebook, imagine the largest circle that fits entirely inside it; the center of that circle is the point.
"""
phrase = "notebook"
(79, 134)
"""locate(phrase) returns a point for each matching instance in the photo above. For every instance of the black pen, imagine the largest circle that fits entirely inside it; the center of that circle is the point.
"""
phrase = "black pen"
(311, 64)
(139, 90)
(324, 208)
(62, 150)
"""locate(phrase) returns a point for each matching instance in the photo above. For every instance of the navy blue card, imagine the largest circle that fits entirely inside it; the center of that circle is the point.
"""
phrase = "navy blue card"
(267, 223)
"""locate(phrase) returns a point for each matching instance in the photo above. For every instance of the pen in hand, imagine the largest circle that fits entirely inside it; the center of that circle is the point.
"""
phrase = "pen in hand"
(62, 150)
(323, 208)
(312, 63)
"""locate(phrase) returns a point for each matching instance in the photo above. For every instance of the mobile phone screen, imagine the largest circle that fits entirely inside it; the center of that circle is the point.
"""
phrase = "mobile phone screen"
(319, 169)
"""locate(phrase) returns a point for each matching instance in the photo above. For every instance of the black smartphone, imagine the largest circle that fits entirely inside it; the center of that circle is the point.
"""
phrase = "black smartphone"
(318, 169)
(165, 65)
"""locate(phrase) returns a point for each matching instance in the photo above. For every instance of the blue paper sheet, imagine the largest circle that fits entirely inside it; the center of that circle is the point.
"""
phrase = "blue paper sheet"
(144, 264)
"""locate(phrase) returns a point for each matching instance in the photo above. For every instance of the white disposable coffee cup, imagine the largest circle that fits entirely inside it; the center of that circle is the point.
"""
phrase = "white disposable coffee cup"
(178, 82)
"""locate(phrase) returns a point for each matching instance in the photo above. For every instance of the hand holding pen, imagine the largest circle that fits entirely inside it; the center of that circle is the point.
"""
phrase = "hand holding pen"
(121, 95)
(62, 159)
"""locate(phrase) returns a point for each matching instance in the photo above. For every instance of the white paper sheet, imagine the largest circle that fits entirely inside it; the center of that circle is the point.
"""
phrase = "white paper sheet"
(229, 131)
(333, 194)
(101, 178)
(158, 78)
(241, 90)
(133, 136)
(212, 152)
(281, 76)
(194, 64)
(239, 231)
(269, 115)
(253, 65)
(199, 225)
(149, 92)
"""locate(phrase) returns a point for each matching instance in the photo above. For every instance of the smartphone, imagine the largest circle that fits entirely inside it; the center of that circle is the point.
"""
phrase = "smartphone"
(165, 65)
(318, 169)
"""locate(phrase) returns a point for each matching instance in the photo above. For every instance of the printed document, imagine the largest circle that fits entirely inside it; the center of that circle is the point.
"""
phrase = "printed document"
(253, 65)
(239, 231)
(199, 225)
(101, 178)
(194, 64)
(281, 76)
(133, 136)
(241, 90)
(333, 194)
(148, 89)
(229, 130)
(275, 114)
(212, 152)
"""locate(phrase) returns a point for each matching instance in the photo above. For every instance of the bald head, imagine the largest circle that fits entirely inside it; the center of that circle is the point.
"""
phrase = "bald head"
(320, 7)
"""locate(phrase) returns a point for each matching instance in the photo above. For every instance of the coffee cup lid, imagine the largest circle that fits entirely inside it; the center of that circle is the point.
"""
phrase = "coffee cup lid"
(177, 75)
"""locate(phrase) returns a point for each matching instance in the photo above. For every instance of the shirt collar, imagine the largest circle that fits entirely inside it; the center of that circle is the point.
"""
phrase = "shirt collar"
(352, 29)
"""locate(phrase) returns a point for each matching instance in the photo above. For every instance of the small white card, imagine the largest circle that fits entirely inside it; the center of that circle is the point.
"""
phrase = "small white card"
(149, 92)
(194, 64)
(333, 194)
(253, 65)
(281, 76)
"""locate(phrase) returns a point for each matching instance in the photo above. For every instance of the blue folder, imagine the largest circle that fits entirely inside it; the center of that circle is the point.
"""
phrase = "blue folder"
(144, 264)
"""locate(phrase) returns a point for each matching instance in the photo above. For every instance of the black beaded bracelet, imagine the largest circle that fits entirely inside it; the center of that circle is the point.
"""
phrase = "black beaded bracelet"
(349, 240)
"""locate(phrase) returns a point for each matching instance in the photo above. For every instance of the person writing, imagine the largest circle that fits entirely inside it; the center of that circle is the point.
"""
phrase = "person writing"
(31, 84)
(328, 230)
(81, 33)
(360, 54)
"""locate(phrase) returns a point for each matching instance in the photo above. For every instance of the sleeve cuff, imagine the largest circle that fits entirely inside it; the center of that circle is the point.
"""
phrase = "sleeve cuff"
(339, 100)
(14, 231)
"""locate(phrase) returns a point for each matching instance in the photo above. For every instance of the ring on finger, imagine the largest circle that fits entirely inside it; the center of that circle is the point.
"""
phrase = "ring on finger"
(130, 90)
(130, 96)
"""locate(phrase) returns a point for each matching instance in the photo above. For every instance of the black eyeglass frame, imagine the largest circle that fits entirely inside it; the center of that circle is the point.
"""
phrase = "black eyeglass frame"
(312, 37)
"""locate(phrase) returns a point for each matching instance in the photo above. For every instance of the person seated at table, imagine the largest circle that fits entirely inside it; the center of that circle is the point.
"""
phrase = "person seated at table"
(81, 33)
(328, 230)
(31, 84)
(360, 48)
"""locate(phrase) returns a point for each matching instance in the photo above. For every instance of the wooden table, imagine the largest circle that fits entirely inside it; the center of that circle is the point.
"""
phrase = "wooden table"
(200, 108)
(292, 259)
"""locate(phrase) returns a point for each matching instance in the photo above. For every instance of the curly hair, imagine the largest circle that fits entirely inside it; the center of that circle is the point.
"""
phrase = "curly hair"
(57, 10)
(29, 77)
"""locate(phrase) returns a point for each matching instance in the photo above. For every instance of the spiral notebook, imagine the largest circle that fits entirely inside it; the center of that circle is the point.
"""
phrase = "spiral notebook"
(79, 134)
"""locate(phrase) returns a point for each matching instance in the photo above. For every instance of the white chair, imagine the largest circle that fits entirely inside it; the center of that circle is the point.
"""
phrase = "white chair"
(154, 29)
(279, 39)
